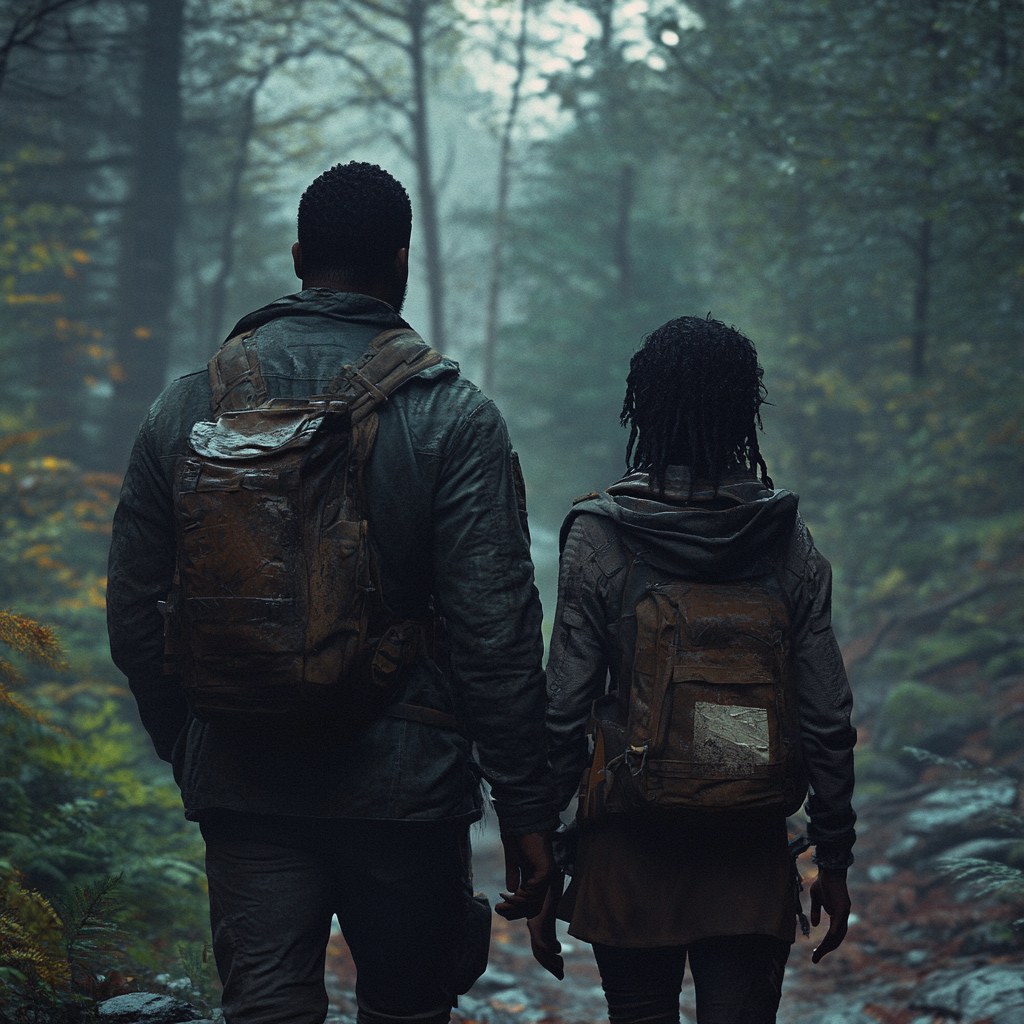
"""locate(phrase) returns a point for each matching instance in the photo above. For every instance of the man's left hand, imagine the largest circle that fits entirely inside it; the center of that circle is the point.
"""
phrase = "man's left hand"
(543, 940)
(529, 871)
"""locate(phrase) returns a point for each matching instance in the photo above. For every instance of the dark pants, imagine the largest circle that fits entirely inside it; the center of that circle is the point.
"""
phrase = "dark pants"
(737, 979)
(398, 889)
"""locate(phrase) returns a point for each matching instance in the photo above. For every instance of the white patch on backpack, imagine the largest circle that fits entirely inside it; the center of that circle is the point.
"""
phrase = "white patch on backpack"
(729, 738)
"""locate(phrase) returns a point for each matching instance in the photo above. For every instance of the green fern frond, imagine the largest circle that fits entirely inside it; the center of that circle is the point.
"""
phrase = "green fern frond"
(89, 935)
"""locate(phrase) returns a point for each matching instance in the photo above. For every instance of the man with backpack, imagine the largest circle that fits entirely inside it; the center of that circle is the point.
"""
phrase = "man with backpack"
(693, 644)
(320, 590)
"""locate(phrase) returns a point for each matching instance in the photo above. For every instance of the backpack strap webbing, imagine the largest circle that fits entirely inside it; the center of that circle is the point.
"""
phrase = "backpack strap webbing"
(235, 378)
(392, 358)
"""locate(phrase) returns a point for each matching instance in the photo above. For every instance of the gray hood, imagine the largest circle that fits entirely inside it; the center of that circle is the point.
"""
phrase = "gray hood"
(744, 526)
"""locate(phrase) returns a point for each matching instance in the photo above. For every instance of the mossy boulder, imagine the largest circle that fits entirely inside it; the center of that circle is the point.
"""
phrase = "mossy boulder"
(917, 715)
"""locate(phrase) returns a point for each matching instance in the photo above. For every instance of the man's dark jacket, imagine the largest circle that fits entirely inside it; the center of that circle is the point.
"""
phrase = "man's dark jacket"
(444, 519)
(682, 541)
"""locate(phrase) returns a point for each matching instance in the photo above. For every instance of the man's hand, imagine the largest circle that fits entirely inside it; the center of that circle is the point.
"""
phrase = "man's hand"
(829, 890)
(543, 940)
(529, 872)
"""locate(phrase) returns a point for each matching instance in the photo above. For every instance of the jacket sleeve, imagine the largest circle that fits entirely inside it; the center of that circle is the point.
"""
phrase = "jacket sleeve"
(483, 585)
(140, 573)
(825, 701)
(578, 662)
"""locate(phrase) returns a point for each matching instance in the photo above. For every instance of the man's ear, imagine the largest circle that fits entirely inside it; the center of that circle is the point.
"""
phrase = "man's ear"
(297, 259)
(401, 263)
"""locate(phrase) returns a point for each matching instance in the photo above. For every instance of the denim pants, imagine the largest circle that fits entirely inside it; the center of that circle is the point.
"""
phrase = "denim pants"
(398, 889)
(737, 980)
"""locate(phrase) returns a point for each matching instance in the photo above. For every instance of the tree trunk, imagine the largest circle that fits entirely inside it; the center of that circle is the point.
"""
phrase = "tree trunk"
(146, 272)
(922, 297)
(218, 290)
(621, 249)
(501, 213)
(923, 245)
(416, 16)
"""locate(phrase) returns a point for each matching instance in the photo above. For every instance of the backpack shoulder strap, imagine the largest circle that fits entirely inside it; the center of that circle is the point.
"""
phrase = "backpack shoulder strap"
(235, 378)
(393, 357)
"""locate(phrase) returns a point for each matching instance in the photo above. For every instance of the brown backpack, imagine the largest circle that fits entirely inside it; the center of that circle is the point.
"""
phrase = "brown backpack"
(706, 716)
(277, 614)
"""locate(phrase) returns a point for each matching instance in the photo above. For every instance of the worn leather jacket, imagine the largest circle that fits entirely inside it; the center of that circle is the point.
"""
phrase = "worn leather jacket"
(687, 542)
(444, 518)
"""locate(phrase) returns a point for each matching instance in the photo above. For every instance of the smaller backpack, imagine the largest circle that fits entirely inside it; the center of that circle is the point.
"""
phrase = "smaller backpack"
(277, 614)
(706, 716)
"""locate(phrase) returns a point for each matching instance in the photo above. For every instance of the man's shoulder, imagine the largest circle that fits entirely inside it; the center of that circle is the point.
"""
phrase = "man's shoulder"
(439, 405)
(181, 404)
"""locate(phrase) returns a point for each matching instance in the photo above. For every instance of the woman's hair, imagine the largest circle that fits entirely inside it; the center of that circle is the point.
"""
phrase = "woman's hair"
(693, 397)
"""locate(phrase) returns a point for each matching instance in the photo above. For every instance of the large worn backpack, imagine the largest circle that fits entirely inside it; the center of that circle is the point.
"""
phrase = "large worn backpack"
(705, 716)
(277, 614)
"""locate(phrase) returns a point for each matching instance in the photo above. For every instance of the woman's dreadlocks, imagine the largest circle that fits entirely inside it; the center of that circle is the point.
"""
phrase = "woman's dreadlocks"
(693, 397)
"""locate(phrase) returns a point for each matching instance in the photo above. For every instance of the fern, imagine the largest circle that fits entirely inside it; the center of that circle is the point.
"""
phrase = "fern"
(35, 977)
(33, 641)
(984, 877)
(89, 937)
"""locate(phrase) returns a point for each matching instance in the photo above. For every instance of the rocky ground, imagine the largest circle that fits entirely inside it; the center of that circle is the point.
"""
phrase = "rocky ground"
(920, 950)
(924, 947)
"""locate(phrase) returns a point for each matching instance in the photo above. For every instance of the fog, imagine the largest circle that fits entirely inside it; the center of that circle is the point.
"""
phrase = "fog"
(843, 182)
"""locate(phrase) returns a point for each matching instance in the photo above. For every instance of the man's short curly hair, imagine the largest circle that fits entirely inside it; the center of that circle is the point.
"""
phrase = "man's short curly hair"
(693, 397)
(353, 219)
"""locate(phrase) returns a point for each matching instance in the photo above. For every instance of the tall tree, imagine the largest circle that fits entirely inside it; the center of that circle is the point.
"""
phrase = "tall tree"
(501, 207)
(418, 33)
(147, 270)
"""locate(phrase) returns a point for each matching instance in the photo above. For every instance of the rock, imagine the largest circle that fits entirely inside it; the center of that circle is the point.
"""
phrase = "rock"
(952, 815)
(1000, 850)
(990, 992)
(964, 806)
(880, 872)
(994, 938)
(918, 715)
(147, 1008)
(886, 772)
(493, 981)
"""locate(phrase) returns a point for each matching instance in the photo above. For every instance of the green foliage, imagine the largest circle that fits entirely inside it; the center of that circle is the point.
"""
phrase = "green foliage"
(90, 938)
(82, 797)
(36, 974)
(601, 253)
(914, 714)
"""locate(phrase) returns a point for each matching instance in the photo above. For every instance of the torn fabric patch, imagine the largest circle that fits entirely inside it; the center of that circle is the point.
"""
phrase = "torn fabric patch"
(729, 738)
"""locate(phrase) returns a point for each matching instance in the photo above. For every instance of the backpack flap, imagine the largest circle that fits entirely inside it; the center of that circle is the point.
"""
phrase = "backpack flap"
(260, 535)
(279, 603)
(712, 719)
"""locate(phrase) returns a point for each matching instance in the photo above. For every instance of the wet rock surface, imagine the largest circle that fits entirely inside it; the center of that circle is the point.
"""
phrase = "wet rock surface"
(146, 1008)
(922, 949)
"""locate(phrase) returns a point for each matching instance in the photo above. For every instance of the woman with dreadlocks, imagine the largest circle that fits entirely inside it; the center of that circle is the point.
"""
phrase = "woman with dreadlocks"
(693, 644)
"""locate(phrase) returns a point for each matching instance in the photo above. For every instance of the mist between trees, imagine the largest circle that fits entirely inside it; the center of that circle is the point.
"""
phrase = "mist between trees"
(843, 181)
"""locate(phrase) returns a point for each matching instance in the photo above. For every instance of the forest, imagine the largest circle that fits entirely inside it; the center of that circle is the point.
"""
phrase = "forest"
(843, 180)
